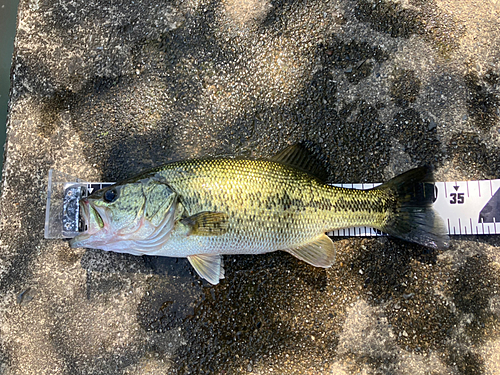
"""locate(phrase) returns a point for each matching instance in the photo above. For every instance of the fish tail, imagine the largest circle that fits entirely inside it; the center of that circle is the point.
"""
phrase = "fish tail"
(411, 215)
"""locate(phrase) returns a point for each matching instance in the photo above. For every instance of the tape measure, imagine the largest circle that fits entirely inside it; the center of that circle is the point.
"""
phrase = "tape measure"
(467, 207)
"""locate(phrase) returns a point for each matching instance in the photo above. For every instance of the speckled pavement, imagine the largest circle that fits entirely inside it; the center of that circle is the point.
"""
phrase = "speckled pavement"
(106, 89)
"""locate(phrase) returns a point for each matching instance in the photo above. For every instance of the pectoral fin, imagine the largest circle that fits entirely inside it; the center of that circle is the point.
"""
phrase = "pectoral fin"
(207, 223)
(208, 267)
(319, 253)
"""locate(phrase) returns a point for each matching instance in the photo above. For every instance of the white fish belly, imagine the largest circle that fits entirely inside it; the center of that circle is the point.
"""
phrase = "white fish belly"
(182, 246)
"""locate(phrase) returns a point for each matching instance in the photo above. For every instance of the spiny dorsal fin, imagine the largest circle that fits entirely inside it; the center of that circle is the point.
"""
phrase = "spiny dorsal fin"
(319, 253)
(299, 157)
(208, 266)
(207, 223)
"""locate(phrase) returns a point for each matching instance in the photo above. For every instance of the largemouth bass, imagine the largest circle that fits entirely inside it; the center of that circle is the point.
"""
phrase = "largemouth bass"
(202, 209)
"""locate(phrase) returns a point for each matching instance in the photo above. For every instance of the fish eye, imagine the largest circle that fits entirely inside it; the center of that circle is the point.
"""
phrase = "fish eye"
(110, 195)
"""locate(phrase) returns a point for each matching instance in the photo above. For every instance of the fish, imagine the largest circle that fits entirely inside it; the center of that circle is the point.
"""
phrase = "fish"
(202, 209)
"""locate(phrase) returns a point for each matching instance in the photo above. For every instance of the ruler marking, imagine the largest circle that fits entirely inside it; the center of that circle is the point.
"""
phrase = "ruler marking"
(479, 188)
(445, 192)
(471, 227)
(460, 226)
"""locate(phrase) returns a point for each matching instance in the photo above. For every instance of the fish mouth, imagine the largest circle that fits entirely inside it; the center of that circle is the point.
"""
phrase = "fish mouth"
(91, 216)
(84, 214)
(91, 223)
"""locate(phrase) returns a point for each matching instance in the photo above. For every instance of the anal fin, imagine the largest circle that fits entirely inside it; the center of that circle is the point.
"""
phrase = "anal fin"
(319, 253)
(208, 266)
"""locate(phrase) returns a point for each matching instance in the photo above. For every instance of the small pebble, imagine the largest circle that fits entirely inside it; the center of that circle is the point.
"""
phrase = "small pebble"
(432, 124)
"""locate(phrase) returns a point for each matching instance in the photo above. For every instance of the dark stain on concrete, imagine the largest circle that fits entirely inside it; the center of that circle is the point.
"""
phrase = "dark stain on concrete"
(427, 20)
(168, 304)
(470, 155)
(475, 283)
(355, 58)
(57, 107)
(466, 362)
(136, 154)
(491, 78)
(418, 137)
(248, 317)
(483, 102)
(405, 87)
(52, 111)
(279, 15)
(108, 262)
(396, 275)
(389, 17)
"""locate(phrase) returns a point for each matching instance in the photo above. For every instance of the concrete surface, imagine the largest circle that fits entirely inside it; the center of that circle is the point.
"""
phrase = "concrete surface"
(105, 89)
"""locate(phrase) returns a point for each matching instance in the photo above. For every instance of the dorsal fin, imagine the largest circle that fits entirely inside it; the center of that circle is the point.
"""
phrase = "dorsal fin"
(297, 156)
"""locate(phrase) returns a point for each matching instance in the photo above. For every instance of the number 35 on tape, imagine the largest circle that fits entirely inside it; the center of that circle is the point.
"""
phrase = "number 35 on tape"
(469, 207)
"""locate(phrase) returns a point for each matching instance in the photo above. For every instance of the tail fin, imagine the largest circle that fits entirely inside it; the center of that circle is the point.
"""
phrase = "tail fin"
(413, 217)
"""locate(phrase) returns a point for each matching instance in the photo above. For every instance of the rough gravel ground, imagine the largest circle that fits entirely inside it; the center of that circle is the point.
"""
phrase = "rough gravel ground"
(105, 89)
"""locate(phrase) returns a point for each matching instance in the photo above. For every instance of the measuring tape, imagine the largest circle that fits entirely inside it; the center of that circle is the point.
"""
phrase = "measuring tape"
(467, 207)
